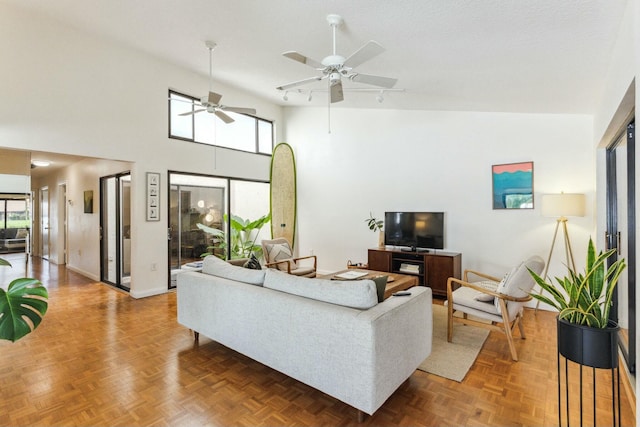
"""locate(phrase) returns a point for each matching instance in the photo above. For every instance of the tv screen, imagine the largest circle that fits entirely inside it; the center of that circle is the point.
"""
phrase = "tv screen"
(417, 230)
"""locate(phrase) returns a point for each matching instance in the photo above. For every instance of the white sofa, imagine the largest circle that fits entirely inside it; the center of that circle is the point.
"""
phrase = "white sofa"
(331, 335)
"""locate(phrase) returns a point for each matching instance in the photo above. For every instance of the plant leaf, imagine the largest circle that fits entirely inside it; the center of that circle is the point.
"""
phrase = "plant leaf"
(210, 230)
(22, 307)
(5, 262)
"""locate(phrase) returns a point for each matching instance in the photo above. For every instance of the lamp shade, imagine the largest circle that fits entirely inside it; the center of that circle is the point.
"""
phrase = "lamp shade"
(563, 204)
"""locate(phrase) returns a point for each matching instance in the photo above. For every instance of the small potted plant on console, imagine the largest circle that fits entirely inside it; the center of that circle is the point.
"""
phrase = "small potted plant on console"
(376, 225)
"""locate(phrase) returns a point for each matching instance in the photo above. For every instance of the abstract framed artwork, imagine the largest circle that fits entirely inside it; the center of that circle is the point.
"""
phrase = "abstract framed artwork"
(153, 196)
(512, 185)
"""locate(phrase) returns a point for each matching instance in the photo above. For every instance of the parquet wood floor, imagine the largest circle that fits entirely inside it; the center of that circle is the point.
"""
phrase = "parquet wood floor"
(101, 358)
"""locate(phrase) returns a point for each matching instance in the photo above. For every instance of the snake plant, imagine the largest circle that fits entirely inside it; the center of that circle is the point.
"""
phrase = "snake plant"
(584, 298)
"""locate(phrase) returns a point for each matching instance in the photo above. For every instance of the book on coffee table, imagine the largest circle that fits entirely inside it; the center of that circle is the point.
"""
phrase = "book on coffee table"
(351, 275)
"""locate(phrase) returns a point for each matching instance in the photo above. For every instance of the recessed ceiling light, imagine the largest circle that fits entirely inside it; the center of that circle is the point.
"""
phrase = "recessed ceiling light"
(40, 163)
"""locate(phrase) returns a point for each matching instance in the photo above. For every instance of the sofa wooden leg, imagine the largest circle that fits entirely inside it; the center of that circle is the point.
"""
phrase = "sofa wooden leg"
(361, 416)
(196, 336)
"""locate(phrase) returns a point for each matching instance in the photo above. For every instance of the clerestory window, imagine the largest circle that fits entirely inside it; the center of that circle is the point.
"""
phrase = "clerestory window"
(245, 133)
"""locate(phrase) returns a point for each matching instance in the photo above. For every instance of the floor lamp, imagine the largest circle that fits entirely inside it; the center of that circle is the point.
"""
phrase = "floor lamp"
(561, 206)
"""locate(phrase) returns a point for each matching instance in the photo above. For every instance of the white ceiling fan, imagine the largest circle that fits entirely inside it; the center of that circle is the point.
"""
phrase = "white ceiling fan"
(211, 102)
(334, 67)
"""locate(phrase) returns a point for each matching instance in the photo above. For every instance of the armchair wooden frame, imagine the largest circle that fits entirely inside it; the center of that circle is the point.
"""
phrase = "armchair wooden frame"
(292, 260)
(506, 326)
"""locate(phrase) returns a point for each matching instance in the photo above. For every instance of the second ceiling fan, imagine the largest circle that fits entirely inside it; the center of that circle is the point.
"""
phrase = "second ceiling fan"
(211, 102)
(334, 67)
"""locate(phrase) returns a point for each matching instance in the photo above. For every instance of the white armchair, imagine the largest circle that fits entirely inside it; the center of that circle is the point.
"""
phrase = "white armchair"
(499, 301)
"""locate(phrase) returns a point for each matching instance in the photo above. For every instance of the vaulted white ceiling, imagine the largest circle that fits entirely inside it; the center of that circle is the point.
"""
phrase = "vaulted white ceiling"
(540, 56)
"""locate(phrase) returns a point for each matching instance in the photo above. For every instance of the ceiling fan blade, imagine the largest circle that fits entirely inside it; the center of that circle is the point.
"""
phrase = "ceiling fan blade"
(223, 117)
(302, 59)
(387, 82)
(298, 83)
(214, 98)
(335, 92)
(365, 53)
(192, 112)
(240, 110)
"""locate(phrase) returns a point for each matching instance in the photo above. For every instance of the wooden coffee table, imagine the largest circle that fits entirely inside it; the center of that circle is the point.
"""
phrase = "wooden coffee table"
(395, 282)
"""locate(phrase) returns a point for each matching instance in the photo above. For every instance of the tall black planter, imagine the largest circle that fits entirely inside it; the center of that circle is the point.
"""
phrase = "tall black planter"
(592, 347)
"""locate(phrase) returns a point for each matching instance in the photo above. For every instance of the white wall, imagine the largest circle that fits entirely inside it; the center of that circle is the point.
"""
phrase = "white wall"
(65, 91)
(386, 160)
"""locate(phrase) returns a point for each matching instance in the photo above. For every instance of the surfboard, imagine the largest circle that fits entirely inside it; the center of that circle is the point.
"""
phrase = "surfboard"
(283, 193)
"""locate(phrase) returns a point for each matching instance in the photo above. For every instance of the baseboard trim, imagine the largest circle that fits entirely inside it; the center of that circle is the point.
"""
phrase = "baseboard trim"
(84, 273)
(147, 293)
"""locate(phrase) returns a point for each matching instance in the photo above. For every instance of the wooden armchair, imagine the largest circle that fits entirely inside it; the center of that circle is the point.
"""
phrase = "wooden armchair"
(278, 254)
(499, 301)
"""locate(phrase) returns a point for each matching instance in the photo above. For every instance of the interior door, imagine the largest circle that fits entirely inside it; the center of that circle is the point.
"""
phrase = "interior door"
(44, 222)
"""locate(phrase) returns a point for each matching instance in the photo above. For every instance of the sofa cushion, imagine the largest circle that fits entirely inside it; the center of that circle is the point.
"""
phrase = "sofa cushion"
(359, 294)
(216, 267)
(280, 252)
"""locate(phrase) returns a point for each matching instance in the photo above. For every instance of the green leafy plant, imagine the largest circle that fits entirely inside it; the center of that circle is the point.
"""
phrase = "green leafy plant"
(374, 224)
(22, 307)
(584, 298)
(244, 233)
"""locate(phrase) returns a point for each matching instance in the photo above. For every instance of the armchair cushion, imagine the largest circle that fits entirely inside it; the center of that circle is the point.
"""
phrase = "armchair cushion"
(279, 252)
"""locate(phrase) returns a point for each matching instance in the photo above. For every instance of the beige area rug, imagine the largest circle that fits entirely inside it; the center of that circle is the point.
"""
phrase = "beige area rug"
(452, 360)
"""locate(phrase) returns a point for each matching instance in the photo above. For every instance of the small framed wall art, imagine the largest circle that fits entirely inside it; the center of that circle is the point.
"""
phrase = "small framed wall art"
(153, 196)
(512, 185)
(88, 201)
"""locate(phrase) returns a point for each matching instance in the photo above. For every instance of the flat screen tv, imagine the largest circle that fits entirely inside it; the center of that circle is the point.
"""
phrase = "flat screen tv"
(416, 230)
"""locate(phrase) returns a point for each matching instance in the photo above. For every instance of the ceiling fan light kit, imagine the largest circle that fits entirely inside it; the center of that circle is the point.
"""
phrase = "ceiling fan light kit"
(335, 66)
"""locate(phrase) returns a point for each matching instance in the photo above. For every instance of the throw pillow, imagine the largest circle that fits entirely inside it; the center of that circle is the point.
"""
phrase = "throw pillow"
(519, 282)
(280, 252)
(488, 285)
(252, 263)
(381, 286)
(501, 289)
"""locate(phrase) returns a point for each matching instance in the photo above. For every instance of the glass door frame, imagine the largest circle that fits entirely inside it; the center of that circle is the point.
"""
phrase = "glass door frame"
(119, 230)
(228, 209)
(612, 235)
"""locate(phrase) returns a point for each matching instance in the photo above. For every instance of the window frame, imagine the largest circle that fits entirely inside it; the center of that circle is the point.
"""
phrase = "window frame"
(257, 122)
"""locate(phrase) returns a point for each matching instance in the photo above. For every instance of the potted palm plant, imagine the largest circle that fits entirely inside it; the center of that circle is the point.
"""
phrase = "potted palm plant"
(244, 234)
(22, 306)
(586, 335)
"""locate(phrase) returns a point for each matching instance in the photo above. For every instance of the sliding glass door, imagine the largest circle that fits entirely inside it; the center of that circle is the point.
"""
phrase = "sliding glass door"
(199, 220)
(621, 223)
(195, 202)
